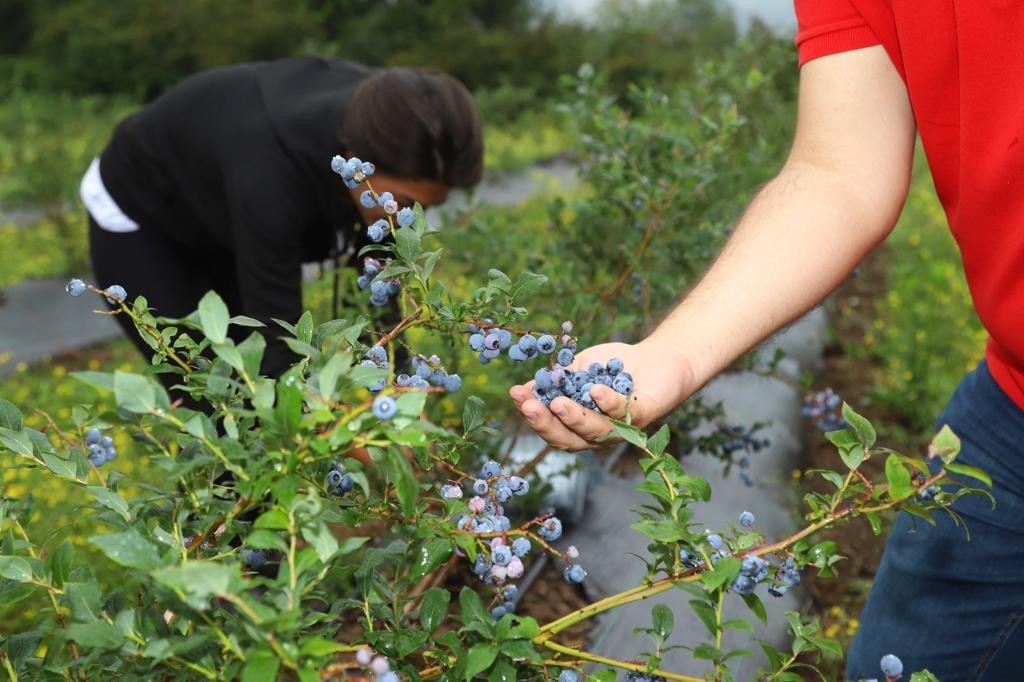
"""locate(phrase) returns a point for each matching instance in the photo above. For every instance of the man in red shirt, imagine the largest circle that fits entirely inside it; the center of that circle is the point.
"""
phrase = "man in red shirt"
(874, 73)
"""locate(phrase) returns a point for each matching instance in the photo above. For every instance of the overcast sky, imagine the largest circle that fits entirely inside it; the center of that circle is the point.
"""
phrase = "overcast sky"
(778, 13)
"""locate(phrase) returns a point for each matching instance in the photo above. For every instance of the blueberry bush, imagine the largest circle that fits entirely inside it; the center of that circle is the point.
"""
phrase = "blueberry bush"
(304, 526)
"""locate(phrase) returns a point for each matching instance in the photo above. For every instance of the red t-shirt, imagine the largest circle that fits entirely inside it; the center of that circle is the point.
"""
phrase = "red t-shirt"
(963, 64)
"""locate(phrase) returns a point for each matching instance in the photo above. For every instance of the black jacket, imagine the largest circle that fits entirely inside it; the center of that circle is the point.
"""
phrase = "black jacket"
(237, 159)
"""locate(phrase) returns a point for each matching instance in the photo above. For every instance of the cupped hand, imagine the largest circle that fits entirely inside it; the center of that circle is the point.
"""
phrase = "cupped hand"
(661, 380)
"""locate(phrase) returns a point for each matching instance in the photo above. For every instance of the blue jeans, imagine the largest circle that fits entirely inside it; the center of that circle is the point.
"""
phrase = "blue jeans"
(943, 603)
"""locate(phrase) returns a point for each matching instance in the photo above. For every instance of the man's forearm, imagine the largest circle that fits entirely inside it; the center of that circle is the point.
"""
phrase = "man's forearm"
(802, 234)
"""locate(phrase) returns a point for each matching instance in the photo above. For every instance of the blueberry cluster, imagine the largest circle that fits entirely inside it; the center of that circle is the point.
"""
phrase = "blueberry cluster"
(559, 381)
(427, 372)
(753, 570)
(338, 481)
(788, 574)
(825, 408)
(738, 437)
(377, 356)
(101, 448)
(381, 290)
(379, 665)
(115, 293)
(353, 171)
(508, 596)
(489, 341)
(929, 492)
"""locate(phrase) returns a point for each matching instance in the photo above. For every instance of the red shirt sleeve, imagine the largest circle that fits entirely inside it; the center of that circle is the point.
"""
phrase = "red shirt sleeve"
(826, 27)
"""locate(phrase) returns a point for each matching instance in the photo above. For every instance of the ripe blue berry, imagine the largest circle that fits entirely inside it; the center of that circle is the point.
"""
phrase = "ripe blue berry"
(501, 555)
(367, 200)
(92, 436)
(490, 469)
(333, 478)
(384, 407)
(568, 676)
(114, 293)
(715, 541)
(546, 344)
(892, 665)
(564, 357)
(521, 547)
(480, 486)
(452, 383)
(406, 217)
(615, 366)
(575, 574)
(255, 558)
(385, 197)
(76, 287)
(527, 344)
(550, 529)
(747, 519)
(378, 230)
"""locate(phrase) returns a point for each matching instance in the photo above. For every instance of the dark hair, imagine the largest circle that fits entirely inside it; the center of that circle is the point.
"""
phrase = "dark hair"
(415, 123)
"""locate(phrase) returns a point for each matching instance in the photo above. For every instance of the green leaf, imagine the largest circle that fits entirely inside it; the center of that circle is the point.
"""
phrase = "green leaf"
(471, 607)
(97, 635)
(260, 665)
(85, 600)
(862, 428)
(318, 535)
(17, 442)
(629, 433)
(62, 467)
(101, 380)
(200, 580)
(328, 377)
(274, 518)
(898, 477)
(430, 555)
(723, 572)
(213, 316)
(520, 648)
(59, 562)
(663, 620)
(852, 457)
(15, 568)
(473, 414)
(304, 328)
(402, 476)
(129, 548)
(265, 539)
(945, 445)
(480, 658)
(110, 500)
(660, 531)
(318, 647)
(246, 321)
(434, 608)
(659, 441)
(134, 392)
(706, 614)
(923, 676)
(756, 606)
(10, 415)
(227, 352)
(967, 470)
(407, 243)
(21, 646)
(503, 672)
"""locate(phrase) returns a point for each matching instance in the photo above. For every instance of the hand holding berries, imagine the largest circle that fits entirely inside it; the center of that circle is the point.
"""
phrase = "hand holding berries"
(660, 380)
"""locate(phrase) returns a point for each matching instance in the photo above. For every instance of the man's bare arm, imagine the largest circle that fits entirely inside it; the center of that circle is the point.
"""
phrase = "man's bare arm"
(838, 195)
